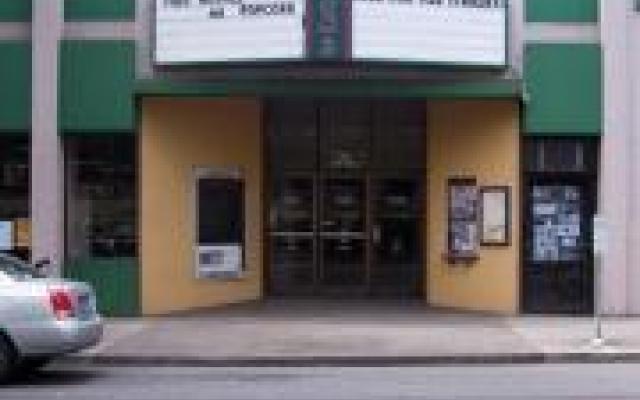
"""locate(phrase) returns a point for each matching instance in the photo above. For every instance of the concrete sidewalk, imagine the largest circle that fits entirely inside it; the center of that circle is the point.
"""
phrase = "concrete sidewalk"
(333, 333)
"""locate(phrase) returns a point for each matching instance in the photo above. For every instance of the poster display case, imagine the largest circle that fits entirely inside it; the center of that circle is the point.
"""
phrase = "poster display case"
(463, 219)
(495, 213)
(219, 222)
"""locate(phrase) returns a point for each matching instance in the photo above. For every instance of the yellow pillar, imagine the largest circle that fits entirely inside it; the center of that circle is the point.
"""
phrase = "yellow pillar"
(479, 139)
(176, 136)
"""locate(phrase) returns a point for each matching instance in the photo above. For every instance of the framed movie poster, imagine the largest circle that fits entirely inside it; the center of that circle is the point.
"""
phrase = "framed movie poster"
(494, 216)
(463, 218)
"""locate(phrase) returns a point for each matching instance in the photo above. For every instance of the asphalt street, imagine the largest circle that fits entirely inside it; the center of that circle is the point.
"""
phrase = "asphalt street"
(530, 382)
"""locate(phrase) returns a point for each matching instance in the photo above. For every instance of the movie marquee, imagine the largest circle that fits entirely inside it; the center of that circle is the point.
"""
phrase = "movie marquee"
(469, 32)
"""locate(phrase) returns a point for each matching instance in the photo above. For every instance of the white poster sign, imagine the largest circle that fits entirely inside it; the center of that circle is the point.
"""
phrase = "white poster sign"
(6, 235)
(494, 217)
(432, 31)
(190, 31)
(215, 261)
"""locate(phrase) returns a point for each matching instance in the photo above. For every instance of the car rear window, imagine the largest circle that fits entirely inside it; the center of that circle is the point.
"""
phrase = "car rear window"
(16, 268)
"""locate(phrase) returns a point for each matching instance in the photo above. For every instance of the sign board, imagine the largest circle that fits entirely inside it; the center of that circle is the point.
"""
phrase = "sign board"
(430, 31)
(6, 235)
(469, 32)
(494, 215)
(219, 261)
(228, 30)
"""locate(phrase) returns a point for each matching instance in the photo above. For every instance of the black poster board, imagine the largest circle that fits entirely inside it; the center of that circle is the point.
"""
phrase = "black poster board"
(220, 223)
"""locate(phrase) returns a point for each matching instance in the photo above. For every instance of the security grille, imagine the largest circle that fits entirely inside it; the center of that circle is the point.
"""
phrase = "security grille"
(561, 155)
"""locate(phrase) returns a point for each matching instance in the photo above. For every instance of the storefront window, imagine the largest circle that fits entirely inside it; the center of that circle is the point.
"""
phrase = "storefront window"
(565, 156)
(101, 197)
(14, 196)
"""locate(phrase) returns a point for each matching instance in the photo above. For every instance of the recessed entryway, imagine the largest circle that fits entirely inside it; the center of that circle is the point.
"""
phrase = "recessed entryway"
(345, 192)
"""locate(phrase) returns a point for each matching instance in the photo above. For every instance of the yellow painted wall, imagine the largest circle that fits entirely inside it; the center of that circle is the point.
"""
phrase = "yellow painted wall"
(176, 135)
(476, 139)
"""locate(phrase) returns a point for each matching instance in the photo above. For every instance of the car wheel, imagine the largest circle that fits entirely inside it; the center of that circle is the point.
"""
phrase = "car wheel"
(7, 360)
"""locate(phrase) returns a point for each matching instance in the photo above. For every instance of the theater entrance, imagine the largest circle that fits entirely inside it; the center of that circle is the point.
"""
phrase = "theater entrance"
(345, 198)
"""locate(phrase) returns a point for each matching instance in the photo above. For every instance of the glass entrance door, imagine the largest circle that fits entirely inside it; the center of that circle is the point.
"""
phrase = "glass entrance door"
(344, 152)
(343, 237)
(396, 259)
(345, 212)
(293, 244)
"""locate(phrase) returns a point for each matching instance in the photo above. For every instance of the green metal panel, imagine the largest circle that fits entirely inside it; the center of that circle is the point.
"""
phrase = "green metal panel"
(15, 10)
(115, 280)
(562, 11)
(15, 86)
(492, 89)
(96, 84)
(563, 83)
(99, 10)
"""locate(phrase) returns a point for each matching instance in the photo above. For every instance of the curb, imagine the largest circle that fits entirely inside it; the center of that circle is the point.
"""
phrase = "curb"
(382, 361)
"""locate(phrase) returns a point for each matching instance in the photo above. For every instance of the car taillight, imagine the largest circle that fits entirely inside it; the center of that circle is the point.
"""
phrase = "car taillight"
(62, 304)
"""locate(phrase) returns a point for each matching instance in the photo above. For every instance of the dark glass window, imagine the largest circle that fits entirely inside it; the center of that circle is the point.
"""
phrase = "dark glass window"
(14, 192)
(220, 211)
(559, 155)
(398, 135)
(293, 135)
(101, 198)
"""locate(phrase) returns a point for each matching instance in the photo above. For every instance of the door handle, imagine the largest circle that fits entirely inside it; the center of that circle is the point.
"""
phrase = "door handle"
(343, 235)
(376, 234)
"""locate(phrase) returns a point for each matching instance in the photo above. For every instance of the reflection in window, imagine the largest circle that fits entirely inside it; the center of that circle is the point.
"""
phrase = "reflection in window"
(101, 197)
(14, 192)
(220, 211)
(552, 155)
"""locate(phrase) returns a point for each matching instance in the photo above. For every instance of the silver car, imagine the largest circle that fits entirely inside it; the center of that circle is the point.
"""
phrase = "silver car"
(41, 318)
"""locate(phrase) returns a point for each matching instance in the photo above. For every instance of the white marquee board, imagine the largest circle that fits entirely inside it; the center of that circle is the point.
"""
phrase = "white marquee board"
(189, 31)
(430, 31)
(471, 32)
